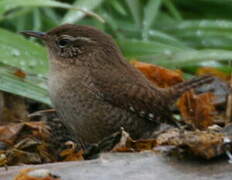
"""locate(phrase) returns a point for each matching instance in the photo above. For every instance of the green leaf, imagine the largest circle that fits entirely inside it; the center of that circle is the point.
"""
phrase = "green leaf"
(118, 7)
(162, 37)
(20, 23)
(6, 5)
(24, 54)
(172, 9)
(25, 88)
(203, 34)
(224, 25)
(150, 12)
(36, 20)
(138, 48)
(135, 9)
(190, 57)
(87, 5)
(206, 38)
(50, 13)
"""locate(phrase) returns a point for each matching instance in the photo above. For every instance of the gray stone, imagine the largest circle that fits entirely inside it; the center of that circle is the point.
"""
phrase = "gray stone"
(134, 166)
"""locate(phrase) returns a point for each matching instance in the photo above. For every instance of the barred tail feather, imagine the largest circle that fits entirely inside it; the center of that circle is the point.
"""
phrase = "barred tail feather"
(177, 90)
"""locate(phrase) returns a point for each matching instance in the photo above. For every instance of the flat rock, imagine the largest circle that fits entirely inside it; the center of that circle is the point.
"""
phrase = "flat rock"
(133, 166)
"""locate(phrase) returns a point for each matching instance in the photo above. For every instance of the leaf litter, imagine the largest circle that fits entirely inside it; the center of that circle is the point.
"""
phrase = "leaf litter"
(204, 130)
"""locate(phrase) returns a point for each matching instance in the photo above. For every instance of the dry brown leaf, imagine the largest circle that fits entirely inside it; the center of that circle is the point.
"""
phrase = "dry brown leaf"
(30, 151)
(3, 158)
(12, 109)
(142, 144)
(30, 143)
(160, 76)
(19, 73)
(46, 152)
(71, 154)
(205, 111)
(123, 149)
(15, 156)
(9, 133)
(36, 174)
(127, 144)
(200, 143)
(39, 129)
(197, 110)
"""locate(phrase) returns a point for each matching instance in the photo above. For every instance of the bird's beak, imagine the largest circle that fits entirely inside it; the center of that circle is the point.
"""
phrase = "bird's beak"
(39, 35)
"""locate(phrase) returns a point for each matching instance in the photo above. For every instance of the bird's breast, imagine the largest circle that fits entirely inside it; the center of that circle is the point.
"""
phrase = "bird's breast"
(79, 103)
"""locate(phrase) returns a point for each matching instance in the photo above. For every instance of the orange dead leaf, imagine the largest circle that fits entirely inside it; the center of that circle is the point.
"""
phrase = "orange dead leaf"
(136, 145)
(12, 108)
(36, 174)
(39, 129)
(71, 154)
(212, 71)
(9, 132)
(3, 158)
(19, 73)
(197, 110)
(204, 144)
(123, 149)
(127, 144)
(205, 111)
(142, 144)
(160, 76)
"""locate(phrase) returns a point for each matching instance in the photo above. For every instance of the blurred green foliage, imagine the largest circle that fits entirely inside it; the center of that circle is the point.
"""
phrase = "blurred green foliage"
(173, 33)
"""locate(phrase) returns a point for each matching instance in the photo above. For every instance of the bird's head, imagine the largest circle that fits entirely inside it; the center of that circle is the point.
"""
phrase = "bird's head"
(73, 44)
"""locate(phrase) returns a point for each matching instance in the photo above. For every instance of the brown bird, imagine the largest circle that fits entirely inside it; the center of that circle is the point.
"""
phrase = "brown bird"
(96, 91)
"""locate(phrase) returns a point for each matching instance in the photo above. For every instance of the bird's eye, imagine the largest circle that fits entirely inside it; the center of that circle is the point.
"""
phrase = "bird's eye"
(63, 42)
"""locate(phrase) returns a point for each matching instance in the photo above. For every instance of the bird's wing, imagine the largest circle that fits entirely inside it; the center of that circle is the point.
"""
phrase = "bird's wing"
(127, 88)
(147, 102)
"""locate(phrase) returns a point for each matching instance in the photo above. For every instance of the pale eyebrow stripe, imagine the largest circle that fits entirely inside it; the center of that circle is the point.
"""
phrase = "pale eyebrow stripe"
(77, 38)
(84, 39)
(68, 37)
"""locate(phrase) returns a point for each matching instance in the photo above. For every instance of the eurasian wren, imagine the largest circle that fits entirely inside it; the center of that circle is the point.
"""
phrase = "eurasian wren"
(96, 91)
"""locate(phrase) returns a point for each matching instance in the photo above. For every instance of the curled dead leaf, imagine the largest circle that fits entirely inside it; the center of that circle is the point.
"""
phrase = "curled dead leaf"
(12, 109)
(158, 75)
(36, 174)
(9, 133)
(71, 153)
(39, 129)
(197, 110)
(19, 73)
(205, 144)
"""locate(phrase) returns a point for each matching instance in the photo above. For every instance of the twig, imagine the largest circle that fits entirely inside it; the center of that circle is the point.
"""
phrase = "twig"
(89, 13)
(229, 104)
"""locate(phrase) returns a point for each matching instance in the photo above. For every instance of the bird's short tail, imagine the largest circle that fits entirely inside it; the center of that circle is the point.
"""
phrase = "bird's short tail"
(177, 90)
